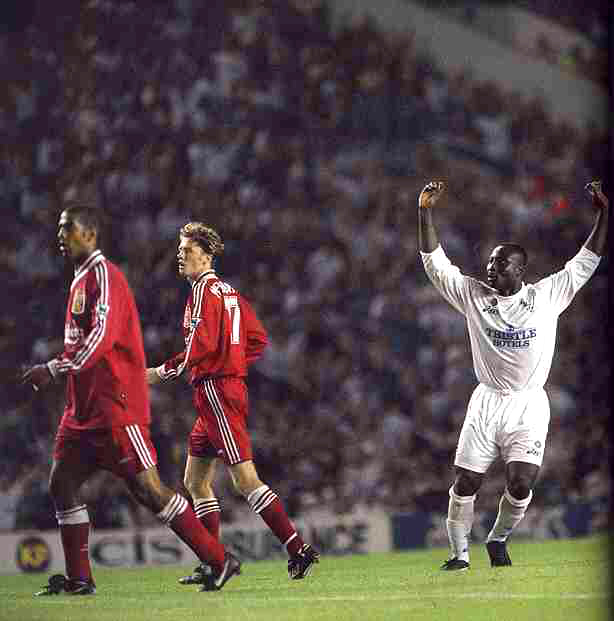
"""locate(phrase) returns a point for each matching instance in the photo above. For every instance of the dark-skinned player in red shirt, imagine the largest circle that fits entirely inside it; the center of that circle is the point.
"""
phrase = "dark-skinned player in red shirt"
(223, 337)
(106, 419)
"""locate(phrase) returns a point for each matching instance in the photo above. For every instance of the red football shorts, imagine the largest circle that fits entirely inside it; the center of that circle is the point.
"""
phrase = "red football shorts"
(124, 451)
(221, 427)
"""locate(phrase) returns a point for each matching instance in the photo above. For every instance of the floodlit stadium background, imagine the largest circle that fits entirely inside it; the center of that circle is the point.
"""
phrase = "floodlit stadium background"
(303, 131)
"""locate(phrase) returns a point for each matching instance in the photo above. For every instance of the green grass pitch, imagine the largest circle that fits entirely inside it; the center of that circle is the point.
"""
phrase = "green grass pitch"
(551, 580)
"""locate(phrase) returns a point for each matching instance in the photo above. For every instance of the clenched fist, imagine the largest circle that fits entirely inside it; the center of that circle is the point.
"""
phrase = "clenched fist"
(431, 194)
(596, 193)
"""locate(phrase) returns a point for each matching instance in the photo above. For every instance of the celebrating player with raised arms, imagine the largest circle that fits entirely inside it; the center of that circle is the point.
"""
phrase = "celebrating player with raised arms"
(223, 337)
(512, 330)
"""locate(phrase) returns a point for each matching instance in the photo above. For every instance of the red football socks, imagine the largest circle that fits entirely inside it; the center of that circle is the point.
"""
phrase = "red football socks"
(208, 512)
(266, 503)
(75, 531)
(182, 520)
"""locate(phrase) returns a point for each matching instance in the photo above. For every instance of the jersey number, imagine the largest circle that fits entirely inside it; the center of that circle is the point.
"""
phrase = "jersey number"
(234, 313)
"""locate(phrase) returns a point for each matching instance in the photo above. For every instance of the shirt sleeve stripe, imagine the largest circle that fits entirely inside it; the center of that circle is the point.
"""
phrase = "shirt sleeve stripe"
(196, 309)
(97, 335)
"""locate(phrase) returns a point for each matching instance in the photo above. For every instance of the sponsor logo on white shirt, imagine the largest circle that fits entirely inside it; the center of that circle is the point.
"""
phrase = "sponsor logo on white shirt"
(512, 338)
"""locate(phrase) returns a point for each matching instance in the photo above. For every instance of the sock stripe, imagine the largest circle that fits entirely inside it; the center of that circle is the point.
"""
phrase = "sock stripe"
(213, 502)
(202, 512)
(460, 499)
(204, 507)
(67, 512)
(293, 536)
(175, 506)
(263, 500)
(521, 504)
(74, 515)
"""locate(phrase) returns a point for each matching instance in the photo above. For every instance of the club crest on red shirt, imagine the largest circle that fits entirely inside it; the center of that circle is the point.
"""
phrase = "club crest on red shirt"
(78, 302)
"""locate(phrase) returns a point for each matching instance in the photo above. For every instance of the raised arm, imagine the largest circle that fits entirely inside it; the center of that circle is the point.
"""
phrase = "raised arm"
(597, 238)
(427, 235)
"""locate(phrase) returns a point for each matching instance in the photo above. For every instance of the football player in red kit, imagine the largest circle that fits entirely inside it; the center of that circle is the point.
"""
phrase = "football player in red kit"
(106, 419)
(222, 337)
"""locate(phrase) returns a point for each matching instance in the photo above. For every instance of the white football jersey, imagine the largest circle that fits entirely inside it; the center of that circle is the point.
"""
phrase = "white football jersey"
(512, 337)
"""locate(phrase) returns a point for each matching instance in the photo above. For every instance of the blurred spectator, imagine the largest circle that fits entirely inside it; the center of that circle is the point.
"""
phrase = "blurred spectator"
(305, 147)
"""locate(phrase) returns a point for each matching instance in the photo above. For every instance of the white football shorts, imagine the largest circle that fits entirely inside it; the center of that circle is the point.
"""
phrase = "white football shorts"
(513, 425)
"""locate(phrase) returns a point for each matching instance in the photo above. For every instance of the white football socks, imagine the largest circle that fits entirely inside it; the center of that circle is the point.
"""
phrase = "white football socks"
(511, 511)
(459, 523)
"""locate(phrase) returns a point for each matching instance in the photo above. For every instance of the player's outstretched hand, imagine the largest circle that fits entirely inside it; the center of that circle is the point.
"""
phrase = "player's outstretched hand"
(37, 376)
(595, 191)
(430, 194)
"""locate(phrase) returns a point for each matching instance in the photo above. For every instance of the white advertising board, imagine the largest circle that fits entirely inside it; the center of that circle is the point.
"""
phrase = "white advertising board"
(41, 551)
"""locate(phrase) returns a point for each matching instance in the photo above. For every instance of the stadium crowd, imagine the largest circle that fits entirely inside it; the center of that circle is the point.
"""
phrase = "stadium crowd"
(586, 56)
(306, 147)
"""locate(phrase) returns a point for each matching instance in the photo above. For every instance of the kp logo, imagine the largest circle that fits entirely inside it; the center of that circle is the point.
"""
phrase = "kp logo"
(33, 555)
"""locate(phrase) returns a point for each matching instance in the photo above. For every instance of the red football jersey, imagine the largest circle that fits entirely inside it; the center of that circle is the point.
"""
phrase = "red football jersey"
(221, 331)
(103, 355)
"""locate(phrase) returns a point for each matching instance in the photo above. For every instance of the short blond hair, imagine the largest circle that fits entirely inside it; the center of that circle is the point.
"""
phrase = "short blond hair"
(206, 237)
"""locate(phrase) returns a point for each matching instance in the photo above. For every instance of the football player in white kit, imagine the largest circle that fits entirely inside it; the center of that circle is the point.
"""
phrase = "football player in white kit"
(512, 330)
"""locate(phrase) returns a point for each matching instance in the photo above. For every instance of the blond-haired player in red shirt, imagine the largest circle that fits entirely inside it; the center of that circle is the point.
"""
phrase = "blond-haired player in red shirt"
(222, 337)
(106, 418)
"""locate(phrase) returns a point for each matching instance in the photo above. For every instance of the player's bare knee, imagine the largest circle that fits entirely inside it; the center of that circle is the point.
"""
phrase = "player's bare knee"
(206, 491)
(246, 485)
(519, 487)
(53, 486)
(150, 493)
(143, 496)
(154, 500)
(467, 483)
(61, 498)
(244, 478)
(237, 489)
(198, 489)
(190, 484)
(241, 488)
(61, 492)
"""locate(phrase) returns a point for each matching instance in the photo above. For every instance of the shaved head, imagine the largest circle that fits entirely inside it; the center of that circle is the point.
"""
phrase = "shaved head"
(516, 251)
(506, 267)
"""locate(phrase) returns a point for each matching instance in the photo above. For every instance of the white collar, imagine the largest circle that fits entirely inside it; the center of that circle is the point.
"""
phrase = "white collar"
(205, 276)
(93, 258)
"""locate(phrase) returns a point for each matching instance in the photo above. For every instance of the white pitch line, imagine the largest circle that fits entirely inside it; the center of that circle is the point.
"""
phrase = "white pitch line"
(446, 595)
